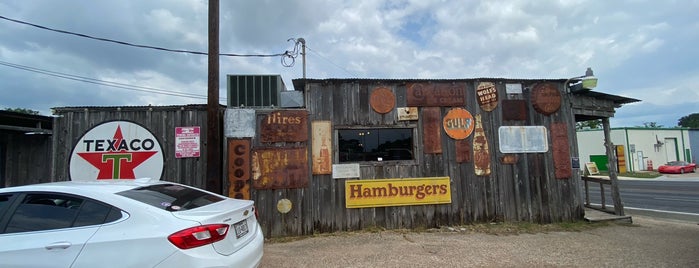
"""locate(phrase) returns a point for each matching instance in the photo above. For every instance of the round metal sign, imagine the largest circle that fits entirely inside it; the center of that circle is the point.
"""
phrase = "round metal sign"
(546, 98)
(284, 206)
(458, 123)
(382, 100)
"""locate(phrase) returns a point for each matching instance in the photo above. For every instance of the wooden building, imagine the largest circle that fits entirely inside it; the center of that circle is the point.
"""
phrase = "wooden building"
(25, 148)
(350, 154)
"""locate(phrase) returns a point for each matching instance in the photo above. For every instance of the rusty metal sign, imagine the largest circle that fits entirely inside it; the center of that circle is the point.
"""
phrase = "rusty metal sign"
(487, 96)
(432, 130)
(382, 100)
(561, 151)
(322, 144)
(436, 94)
(458, 123)
(514, 110)
(280, 168)
(284, 126)
(546, 98)
(239, 168)
(509, 159)
(463, 151)
(481, 151)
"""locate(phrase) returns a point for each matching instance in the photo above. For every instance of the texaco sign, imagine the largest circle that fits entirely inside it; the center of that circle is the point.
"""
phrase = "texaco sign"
(116, 150)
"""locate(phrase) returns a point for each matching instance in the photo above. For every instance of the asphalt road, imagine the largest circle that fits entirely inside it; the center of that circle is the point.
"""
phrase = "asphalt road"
(670, 196)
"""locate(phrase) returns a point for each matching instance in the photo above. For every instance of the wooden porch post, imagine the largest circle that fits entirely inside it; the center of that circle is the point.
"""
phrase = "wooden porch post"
(611, 162)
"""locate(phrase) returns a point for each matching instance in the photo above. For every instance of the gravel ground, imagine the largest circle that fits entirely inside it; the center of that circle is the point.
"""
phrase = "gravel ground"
(649, 242)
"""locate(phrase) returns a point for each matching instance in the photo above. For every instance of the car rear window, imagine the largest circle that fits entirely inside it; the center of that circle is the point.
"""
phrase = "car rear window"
(171, 197)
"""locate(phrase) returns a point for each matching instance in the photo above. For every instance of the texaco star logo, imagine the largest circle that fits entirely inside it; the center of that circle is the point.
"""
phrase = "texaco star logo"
(105, 153)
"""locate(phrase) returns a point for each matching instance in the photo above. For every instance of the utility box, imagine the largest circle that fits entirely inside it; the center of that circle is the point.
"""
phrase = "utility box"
(255, 90)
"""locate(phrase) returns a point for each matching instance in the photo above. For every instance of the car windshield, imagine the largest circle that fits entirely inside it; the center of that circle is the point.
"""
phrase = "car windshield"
(171, 197)
(677, 163)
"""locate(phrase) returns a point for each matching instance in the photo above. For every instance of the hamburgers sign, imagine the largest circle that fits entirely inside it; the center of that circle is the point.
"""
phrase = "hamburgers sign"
(116, 150)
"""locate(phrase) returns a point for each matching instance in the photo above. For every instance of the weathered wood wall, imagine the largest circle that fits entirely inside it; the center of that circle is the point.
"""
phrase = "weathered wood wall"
(73, 122)
(525, 191)
(24, 159)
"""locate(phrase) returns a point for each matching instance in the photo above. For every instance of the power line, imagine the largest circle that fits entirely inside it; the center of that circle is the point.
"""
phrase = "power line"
(331, 62)
(103, 82)
(286, 54)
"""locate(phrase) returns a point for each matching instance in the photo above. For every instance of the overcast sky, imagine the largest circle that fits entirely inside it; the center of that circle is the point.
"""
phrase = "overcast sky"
(640, 49)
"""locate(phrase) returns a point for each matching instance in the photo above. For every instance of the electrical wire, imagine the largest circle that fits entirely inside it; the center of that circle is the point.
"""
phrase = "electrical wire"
(286, 54)
(103, 82)
(331, 62)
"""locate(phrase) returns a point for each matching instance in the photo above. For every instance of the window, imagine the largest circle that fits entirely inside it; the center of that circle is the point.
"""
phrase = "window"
(377, 144)
(39, 212)
(4, 203)
(171, 197)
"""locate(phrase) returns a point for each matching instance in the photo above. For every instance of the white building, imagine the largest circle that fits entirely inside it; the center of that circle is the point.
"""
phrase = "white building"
(637, 148)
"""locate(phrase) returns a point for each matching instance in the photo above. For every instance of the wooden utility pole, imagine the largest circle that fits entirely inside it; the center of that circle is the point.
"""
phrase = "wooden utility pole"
(213, 118)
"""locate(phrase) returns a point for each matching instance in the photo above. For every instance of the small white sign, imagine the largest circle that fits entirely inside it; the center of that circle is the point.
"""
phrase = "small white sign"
(407, 113)
(342, 171)
(513, 88)
(187, 142)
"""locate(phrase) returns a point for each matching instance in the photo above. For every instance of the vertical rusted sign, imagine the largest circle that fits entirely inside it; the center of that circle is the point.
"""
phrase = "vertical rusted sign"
(463, 151)
(546, 98)
(487, 96)
(436, 94)
(285, 126)
(280, 168)
(431, 128)
(561, 151)
(322, 144)
(481, 152)
(382, 100)
(239, 168)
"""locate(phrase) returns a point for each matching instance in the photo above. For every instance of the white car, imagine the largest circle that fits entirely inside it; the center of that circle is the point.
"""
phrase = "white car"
(136, 223)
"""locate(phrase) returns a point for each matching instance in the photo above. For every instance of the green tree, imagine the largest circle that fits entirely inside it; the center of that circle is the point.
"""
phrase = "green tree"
(590, 124)
(691, 121)
(22, 110)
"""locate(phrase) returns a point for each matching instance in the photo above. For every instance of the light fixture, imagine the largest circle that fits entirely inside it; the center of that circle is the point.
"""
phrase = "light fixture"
(582, 83)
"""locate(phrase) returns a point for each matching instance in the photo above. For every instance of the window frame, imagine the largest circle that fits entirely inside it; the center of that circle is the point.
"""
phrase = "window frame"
(415, 148)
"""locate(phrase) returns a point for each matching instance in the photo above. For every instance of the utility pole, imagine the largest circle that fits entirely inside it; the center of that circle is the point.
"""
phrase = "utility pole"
(213, 117)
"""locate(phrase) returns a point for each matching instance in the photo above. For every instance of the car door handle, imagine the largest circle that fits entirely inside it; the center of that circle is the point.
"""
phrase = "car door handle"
(58, 245)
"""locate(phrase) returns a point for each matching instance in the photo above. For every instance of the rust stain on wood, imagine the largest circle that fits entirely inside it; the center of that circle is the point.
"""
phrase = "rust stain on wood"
(239, 168)
(382, 100)
(463, 151)
(432, 135)
(514, 110)
(546, 98)
(487, 96)
(280, 168)
(436, 94)
(561, 151)
(285, 126)
(481, 152)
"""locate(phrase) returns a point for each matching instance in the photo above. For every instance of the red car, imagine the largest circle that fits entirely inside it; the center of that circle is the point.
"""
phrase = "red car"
(677, 167)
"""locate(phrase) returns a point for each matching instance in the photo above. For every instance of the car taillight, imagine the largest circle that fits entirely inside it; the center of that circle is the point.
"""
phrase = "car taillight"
(199, 236)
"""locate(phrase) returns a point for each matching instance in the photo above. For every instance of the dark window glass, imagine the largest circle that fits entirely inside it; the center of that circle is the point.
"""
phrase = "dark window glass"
(380, 144)
(4, 203)
(171, 197)
(39, 212)
(92, 213)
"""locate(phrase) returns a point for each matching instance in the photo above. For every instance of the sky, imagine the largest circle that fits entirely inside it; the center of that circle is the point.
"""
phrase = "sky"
(640, 49)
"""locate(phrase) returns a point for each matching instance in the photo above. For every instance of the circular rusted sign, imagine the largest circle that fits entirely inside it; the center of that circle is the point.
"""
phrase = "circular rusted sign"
(546, 98)
(487, 96)
(458, 123)
(382, 100)
(284, 206)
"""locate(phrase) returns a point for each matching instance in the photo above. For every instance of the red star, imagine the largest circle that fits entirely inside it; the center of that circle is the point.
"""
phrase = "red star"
(116, 164)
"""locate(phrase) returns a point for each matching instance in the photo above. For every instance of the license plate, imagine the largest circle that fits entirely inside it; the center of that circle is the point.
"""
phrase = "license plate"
(241, 228)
